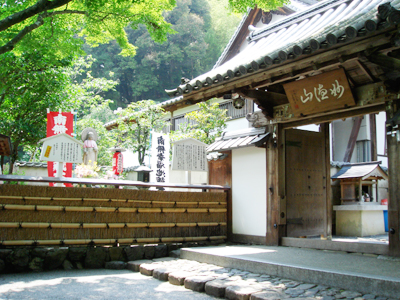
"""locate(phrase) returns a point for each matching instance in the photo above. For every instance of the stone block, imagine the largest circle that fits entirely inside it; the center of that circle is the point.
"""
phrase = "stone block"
(55, 258)
(4, 253)
(116, 254)
(2, 266)
(147, 269)
(216, 288)
(268, 295)
(95, 258)
(134, 252)
(161, 259)
(175, 253)
(160, 251)
(19, 259)
(178, 277)
(172, 247)
(149, 251)
(135, 265)
(36, 264)
(40, 252)
(162, 273)
(67, 265)
(197, 283)
(77, 253)
(241, 292)
(115, 265)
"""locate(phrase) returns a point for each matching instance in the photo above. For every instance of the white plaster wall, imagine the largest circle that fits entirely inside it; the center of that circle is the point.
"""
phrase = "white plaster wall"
(341, 131)
(249, 196)
(237, 124)
(381, 138)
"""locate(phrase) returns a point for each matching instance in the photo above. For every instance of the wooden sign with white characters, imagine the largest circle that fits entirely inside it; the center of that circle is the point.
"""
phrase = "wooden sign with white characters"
(320, 93)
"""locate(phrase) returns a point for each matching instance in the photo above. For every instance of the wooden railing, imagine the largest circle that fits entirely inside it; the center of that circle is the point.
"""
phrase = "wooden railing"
(115, 183)
(40, 215)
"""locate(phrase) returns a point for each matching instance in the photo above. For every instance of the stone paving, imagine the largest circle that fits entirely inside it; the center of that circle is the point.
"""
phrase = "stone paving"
(237, 284)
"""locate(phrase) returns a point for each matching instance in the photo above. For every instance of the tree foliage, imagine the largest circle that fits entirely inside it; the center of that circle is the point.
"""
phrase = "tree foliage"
(135, 124)
(205, 124)
(31, 84)
(194, 49)
(51, 26)
(266, 5)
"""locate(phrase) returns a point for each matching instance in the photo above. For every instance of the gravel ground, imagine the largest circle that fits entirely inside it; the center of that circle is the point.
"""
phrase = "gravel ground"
(91, 284)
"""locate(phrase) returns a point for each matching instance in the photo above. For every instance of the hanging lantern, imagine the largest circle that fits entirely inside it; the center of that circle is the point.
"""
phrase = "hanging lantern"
(117, 163)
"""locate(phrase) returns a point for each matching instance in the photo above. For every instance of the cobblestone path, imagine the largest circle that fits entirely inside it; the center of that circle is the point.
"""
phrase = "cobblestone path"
(237, 284)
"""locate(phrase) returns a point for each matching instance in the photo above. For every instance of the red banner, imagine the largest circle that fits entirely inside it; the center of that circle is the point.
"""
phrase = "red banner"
(117, 163)
(59, 123)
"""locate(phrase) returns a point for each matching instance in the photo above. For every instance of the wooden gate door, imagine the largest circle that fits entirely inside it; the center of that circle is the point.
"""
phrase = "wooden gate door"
(305, 183)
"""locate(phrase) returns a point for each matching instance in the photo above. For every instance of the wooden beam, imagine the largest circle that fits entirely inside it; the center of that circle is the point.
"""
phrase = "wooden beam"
(384, 61)
(352, 139)
(328, 117)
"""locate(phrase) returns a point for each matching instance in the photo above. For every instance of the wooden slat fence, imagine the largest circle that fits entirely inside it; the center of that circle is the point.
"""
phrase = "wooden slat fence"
(38, 215)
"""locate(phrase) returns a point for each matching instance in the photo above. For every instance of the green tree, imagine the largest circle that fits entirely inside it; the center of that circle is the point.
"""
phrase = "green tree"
(194, 49)
(136, 123)
(51, 26)
(31, 84)
(205, 124)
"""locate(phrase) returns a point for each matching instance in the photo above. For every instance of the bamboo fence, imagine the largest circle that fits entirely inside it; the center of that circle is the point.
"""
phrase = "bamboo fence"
(37, 215)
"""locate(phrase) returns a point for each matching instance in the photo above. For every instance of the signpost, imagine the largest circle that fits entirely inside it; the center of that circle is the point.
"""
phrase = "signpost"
(320, 93)
(61, 148)
(189, 155)
(159, 157)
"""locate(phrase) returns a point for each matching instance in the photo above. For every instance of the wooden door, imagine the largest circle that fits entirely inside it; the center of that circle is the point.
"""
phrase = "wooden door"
(220, 173)
(305, 170)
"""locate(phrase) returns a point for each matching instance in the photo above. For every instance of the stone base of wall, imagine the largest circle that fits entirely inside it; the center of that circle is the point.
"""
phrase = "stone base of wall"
(37, 259)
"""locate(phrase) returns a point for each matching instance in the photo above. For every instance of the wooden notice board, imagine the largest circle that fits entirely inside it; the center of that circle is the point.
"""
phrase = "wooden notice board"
(321, 93)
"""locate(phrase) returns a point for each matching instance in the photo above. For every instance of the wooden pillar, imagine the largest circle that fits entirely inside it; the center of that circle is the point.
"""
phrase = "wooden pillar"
(328, 187)
(372, 130)
(393, 151)
(275, 193)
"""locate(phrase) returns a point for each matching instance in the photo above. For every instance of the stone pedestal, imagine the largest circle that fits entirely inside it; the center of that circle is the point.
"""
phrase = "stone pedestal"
(362, 219)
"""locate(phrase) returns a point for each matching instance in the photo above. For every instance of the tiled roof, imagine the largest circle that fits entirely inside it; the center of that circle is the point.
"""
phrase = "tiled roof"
(321, 26)
(361, 170)
(239, 138)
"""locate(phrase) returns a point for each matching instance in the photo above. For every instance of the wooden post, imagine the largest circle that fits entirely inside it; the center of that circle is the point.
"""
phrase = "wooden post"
(393, 151)
(273, 195)
(328, 187)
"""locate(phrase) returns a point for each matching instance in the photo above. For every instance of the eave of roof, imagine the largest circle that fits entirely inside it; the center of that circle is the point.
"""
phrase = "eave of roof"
(322, 26)
(361, 170)
(239, 139)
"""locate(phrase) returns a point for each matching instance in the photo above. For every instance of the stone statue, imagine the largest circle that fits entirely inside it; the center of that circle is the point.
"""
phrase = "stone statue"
(89, 138)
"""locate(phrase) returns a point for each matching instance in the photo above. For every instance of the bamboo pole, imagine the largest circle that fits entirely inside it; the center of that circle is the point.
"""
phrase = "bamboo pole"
(105, 225)
(115, 200)
(149, 210)
(217, 210)
(108, 241)
(108, 209)
(197, 210)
